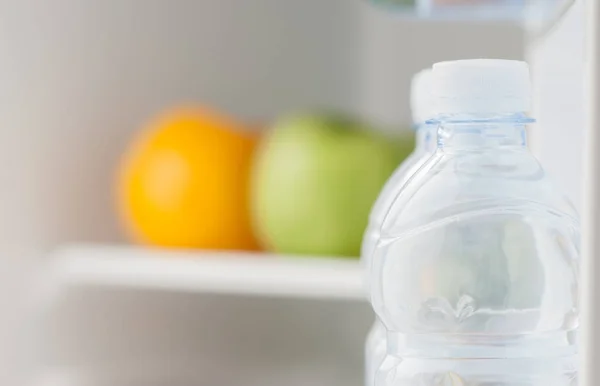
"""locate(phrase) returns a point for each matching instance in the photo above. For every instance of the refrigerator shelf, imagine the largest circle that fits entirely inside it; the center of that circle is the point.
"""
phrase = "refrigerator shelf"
(536, 15)
(238, 273)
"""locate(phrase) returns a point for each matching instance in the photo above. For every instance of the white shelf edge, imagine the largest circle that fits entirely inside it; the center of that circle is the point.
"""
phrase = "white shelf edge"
(239, 273)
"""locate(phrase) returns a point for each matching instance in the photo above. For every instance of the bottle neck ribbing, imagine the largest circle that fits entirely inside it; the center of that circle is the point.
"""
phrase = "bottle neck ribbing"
(481, 132)
(426, 138)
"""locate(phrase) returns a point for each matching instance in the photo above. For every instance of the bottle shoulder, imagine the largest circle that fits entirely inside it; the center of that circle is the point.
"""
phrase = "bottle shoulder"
(395, 183)
(476, 184)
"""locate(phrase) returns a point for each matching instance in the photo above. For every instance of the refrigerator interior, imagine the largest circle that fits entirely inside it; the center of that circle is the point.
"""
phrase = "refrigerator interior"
(81, 77)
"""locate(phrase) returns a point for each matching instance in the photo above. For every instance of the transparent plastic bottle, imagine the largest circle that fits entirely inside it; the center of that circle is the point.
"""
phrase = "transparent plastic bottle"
(425, 145)
(475, 275)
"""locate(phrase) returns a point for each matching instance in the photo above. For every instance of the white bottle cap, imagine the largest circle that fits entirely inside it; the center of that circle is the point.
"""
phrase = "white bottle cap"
(481, 86)
(420, 96)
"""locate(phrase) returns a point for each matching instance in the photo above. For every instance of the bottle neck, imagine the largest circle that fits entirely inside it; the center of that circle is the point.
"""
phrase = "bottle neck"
(484, 132)
(426, 138)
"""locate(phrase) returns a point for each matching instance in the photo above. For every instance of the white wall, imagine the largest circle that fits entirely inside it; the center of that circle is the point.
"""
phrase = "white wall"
(558, 73)
(131, 338)
(394, 49)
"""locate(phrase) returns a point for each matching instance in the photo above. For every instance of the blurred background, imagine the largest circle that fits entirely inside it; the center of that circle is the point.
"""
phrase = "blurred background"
(185, 183)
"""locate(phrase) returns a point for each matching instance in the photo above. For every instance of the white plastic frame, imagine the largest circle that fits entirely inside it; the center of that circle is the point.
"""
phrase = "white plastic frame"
(590, 337)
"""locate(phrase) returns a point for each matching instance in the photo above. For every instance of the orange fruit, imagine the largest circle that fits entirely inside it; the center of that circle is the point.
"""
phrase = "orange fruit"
(184, 182)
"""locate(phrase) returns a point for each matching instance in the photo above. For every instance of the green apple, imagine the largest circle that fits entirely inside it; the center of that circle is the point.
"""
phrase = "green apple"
(314, 181)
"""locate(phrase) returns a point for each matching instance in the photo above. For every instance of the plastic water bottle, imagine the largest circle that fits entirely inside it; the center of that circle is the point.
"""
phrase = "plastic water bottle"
(475, 275)
(425, 145)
